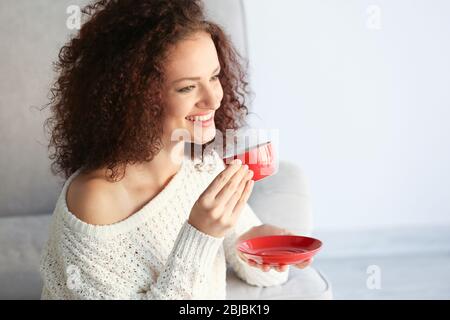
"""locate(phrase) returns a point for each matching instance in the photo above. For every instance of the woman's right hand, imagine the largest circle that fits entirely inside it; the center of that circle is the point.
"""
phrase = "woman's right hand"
(218, 208)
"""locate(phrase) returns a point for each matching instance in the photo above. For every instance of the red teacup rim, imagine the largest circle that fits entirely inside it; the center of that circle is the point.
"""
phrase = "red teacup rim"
(245, 150)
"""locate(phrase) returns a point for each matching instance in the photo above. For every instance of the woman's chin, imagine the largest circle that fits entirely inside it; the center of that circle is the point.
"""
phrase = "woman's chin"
(202, 135)
(203, 139)
(202, 142)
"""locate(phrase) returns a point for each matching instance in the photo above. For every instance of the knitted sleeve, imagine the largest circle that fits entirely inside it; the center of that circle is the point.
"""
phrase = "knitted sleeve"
(89, 270)
(249, 274)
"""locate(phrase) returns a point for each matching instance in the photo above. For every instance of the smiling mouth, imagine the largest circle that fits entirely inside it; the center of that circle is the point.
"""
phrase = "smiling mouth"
(204, 118)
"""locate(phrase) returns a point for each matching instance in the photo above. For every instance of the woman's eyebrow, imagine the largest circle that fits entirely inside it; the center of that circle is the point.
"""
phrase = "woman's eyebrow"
(194, 78)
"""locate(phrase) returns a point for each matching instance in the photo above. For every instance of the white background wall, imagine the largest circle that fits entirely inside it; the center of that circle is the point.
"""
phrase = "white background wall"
(361, 96)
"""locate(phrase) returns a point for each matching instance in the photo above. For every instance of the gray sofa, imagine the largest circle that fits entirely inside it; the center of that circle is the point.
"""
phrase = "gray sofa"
(32, 34)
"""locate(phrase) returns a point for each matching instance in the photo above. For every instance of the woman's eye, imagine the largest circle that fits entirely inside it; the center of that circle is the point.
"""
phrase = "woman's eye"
(188, 89)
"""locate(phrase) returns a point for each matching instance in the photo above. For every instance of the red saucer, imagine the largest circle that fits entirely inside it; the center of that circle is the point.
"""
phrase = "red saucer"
(279, 250)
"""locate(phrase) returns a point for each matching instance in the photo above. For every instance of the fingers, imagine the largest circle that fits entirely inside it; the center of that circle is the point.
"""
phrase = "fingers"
(232, 186)
(222, 179)
(243, 257)
(241, 196)
(239, 205)
(281, 268)
(304, 264)
(266, 268)
(263, 267)
(252, 263)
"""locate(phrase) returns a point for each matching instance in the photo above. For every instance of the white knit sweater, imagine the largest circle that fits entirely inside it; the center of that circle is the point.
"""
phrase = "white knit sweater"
(153, 254)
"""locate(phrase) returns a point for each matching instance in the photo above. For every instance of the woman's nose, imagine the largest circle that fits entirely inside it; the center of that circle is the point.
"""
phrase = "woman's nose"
(210, 99)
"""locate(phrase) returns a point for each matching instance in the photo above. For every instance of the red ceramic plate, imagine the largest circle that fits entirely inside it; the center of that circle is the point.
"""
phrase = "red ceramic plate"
(279, 250)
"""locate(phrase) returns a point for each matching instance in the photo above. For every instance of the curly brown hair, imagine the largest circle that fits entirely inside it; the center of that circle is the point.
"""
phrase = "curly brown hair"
(106, 105)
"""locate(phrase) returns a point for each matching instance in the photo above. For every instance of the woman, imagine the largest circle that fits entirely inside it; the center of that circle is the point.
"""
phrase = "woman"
(137, 218)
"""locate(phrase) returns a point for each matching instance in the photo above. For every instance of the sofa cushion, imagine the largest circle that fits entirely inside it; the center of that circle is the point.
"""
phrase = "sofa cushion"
(284, 199)
(21, 242)
(303, 284)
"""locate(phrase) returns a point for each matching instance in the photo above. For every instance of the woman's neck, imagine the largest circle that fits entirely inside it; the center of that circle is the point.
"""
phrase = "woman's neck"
(159, 171)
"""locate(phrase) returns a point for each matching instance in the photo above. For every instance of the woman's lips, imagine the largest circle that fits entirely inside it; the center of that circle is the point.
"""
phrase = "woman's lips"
(200, 114)
(204, 124)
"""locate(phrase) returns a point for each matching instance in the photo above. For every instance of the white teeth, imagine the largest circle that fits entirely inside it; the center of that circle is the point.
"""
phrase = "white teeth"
(200, 118)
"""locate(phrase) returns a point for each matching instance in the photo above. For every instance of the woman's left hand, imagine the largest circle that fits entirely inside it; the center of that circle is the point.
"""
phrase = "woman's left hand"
(268, 230)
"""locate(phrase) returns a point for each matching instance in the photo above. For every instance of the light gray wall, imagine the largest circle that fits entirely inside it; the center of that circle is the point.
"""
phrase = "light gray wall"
(32, 33)
(362, 105)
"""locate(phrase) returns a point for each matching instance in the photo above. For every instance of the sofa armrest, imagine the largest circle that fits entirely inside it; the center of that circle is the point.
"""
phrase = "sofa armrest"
(303, 284)
(284, 199)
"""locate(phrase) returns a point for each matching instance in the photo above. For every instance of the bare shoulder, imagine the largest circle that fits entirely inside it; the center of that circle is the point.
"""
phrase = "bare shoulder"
(97, 201)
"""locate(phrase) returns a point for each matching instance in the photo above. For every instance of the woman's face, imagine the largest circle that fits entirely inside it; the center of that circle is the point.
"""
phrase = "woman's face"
(201, 96)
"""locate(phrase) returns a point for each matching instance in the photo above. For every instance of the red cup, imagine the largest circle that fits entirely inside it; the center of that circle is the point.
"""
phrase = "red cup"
(260, 159)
